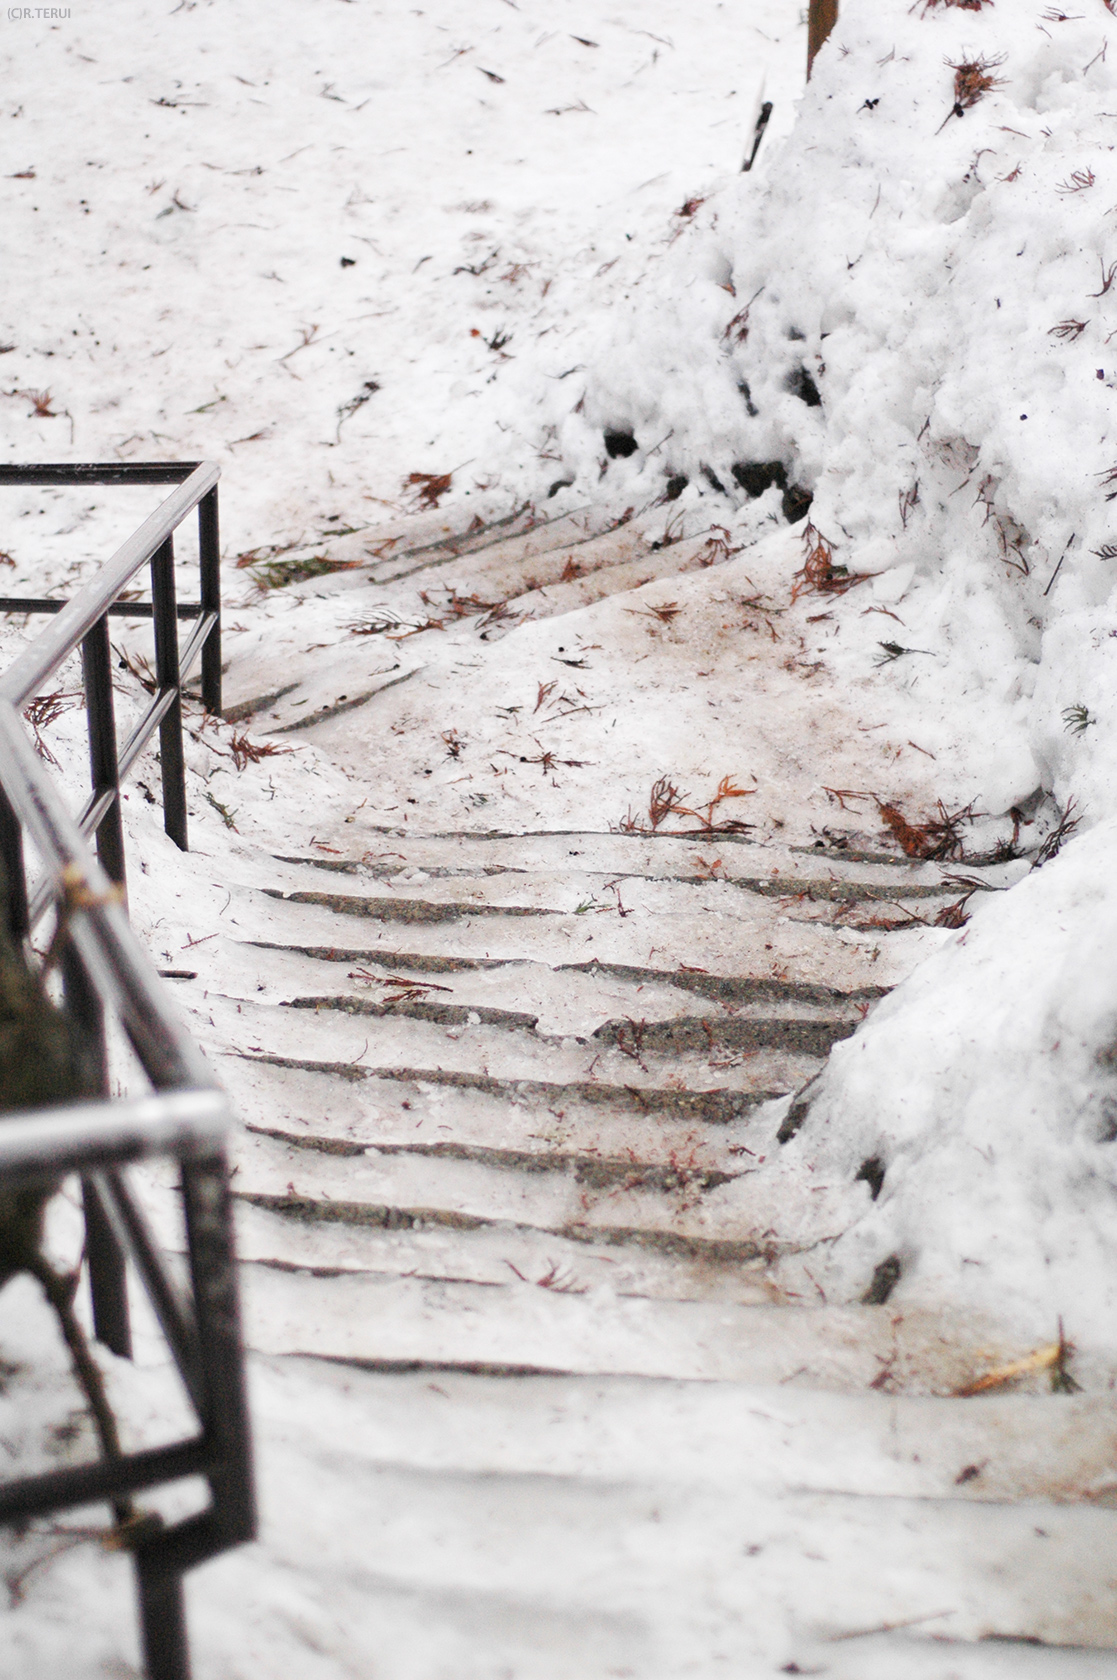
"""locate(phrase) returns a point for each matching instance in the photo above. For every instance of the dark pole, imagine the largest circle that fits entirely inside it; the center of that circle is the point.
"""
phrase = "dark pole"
(96, 661)
(162, 1619)
(209, 562)
(171, 757)
(821, 18)
(13, 880)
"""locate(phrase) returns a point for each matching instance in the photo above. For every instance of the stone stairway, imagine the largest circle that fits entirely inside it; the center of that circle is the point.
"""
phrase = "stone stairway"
(514, 1283)
(506, 1101)
(427, 591)
(495, 1138)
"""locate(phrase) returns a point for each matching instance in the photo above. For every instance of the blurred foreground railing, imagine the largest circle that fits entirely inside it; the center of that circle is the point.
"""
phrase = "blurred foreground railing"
(106, 972)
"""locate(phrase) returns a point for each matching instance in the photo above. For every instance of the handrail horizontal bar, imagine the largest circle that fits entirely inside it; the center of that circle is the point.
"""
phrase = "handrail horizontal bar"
(86, 1484)
(111, 954)
(96, 809)
(88, 1137)
(82, 611)
(97, 472)
(144, 730)
(115, 609)
(192, 651)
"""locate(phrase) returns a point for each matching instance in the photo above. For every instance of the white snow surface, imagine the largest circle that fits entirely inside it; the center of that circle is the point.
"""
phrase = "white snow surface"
(945, 279)
(188, 185)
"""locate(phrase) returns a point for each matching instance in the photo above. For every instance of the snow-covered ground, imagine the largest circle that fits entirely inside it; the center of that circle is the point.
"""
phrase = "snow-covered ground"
(510, 243)
(225, 225)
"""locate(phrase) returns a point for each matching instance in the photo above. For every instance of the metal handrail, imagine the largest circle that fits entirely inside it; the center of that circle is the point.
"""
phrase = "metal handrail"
(186, 1116)
(40, 661)
(82, 622)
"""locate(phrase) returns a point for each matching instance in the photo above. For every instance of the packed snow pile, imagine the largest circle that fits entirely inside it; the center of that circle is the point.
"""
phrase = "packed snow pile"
(909, 316)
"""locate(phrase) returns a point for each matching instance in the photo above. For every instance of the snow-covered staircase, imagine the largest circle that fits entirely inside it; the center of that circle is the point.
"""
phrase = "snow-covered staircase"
(521, 1335)
(507, 1103)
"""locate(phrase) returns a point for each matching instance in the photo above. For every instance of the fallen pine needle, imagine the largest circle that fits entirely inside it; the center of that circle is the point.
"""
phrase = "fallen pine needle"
(1051, 1358)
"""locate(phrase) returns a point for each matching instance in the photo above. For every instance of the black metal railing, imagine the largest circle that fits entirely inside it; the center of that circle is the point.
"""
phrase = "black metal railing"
(83, 621)
(105, 970)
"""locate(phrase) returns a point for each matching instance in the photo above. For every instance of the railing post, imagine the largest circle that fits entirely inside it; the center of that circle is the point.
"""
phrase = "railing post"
(821, 18)
(14, 880)
(209, 562)
(162, 1619)
(207, 1206)
(165, 621)
(108, 1278)
(96, 659)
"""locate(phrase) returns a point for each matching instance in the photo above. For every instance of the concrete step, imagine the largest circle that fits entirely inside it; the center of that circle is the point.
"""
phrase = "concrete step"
(774, 870)
(744, 991)
(388, 1107)
(521, 580)
(680, 1206)
(551, 1527)
(586, 993)
(333, 1039)
(491, 1255)
(637, 851)
(394, 1324)
(747, 935)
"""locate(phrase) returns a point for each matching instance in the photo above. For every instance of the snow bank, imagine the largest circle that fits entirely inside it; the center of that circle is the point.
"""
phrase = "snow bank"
(986, 1086)
(892, 314)
(911, 313)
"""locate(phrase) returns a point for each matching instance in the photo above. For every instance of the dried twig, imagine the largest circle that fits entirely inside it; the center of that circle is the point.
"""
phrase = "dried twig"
(402, 991)
(666, 801)
(1058, 836)
(1107, 277)
(1052, 1358)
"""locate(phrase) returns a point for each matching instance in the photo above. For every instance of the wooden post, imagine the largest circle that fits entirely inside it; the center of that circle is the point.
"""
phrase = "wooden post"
(821, 18)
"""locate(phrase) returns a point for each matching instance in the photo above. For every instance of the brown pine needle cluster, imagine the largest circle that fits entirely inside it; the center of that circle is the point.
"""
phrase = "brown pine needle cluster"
(246, 752)
(934, 840)
(818, 574)
(666, 801)
(972, 80)
(1079, 180)
(40, 404)
(432, 486)
(43, 710)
